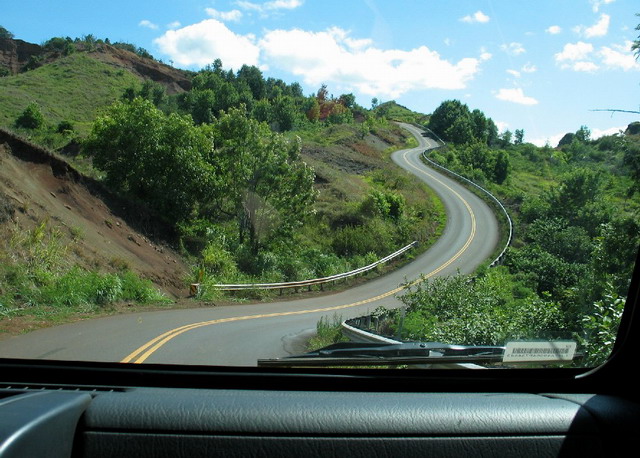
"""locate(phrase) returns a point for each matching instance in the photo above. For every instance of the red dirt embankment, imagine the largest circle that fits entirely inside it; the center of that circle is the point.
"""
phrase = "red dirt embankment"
(109, 232)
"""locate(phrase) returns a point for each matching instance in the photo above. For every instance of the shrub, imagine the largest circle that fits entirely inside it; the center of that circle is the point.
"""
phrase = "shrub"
(31, 117)
(64, 127)
(218, 262)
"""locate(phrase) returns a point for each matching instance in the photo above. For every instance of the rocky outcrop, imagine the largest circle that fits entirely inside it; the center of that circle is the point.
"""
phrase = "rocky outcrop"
(15, 54)
(633, 128)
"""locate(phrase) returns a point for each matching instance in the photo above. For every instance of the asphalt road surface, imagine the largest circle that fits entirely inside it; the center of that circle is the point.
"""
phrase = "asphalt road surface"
(239, 335)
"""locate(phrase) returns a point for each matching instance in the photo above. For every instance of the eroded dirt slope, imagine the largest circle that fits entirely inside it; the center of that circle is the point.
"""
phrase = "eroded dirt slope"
(107, 232)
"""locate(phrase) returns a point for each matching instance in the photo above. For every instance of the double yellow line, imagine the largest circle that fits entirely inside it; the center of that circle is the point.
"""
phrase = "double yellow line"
(141, 354)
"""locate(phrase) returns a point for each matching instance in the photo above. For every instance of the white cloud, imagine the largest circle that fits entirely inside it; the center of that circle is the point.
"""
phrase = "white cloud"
(231, 16)
(200, 44)
(350, 63)
(552, 141)
(597, 133)
(515, 95)
(478, 17)
(526, 68)
(554, 30)
(174, 25)
(513, 49)
(619, 57)
(584, 66)
(574, 52)
(147, 24)
(595, 4)
(356, 64)
(502, 126)
(599, 29)
(582, 57)
(270, 6)
(485, 55)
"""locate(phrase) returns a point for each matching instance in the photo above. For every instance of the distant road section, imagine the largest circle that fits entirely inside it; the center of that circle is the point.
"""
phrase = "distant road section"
(238, 335)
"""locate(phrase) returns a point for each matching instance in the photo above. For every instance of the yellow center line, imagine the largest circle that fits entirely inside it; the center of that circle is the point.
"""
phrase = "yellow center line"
(141, 354)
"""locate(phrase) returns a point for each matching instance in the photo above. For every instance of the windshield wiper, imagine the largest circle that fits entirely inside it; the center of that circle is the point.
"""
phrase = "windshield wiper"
(376, 354)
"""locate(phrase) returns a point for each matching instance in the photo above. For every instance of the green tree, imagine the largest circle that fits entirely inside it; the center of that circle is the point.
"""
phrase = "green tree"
(60, 45)
(348, 100)
(501, 167)
(583, 134)
(600, 327)
(506, 137)
(261, 180)
(518, 137)
(201, 105)
(579, 199)
(254, 79)
(632, 162)
(455, 123)
(31, 117)
(452, 122)
(153, 91)
(5, 34)
(161, 160)
(262, 111)
(311, 108)
(284, 113)
(480, 126)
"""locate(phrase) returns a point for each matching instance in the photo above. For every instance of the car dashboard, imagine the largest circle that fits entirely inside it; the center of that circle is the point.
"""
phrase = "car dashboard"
(195, 413)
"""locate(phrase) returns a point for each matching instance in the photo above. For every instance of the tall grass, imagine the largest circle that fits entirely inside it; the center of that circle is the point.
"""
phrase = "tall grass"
(36, 273)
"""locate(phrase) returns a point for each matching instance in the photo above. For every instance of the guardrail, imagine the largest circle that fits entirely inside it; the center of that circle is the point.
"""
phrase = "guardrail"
(498, 260)
(316, 281)
(352, 328)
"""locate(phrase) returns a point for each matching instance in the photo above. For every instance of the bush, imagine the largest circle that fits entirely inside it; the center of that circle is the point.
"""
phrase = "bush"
(31, 117)
(218, 262)
(376, 237)
(64, 127)
(477, 311)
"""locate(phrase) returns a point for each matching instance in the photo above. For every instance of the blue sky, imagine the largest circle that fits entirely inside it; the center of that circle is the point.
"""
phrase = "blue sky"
(541, 66)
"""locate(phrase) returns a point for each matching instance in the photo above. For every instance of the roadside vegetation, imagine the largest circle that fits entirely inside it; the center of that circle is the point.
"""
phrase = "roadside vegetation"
(260, 182)
(38, 280)
(576, 210)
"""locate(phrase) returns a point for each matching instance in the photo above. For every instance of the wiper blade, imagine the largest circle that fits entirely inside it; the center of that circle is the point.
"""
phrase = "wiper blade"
(374, 354)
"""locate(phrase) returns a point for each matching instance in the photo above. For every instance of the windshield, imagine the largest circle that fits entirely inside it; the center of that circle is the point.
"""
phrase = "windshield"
(218, 183)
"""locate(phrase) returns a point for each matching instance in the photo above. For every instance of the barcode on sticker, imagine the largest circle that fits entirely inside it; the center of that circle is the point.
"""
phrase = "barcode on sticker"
(539, 351)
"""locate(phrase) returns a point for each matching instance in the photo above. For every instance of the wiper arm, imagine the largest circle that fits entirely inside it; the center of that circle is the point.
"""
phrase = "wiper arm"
(374, 354)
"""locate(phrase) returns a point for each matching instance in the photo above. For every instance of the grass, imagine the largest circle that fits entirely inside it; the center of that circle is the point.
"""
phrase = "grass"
(38, 281)
(396, 112)
(73, 88)
(328, 331)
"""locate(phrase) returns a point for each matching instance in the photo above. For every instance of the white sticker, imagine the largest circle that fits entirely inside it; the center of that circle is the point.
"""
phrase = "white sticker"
(539, 351)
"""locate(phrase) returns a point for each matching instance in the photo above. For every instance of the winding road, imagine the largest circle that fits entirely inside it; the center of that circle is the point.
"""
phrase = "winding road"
(241, 334)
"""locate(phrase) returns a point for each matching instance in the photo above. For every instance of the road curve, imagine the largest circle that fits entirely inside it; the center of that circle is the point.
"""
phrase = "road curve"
(240, 334)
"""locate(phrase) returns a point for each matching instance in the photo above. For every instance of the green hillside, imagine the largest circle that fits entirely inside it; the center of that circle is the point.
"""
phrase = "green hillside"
(397, 112)
(73, 88)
